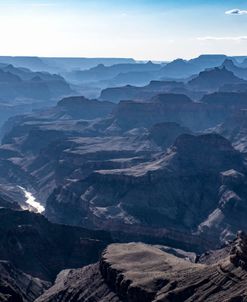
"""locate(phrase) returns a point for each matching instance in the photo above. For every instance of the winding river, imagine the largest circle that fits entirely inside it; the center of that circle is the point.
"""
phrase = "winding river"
(32, 204)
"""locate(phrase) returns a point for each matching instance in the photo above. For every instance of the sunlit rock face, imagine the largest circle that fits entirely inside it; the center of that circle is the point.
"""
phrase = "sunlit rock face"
(138, 272)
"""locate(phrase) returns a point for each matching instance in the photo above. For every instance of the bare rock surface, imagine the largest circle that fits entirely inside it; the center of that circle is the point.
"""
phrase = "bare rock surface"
(82, 285)
(194, 188)
(16, 286)
(42, 249)
(137, 272)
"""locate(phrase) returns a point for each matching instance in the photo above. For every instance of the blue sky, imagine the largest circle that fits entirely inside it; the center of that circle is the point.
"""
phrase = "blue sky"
(143, 29)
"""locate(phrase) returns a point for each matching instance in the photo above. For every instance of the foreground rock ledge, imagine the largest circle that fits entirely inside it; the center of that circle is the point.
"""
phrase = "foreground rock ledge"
(137, 272)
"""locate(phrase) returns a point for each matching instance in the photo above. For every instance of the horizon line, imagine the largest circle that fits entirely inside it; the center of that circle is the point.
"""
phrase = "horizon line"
(120, 57)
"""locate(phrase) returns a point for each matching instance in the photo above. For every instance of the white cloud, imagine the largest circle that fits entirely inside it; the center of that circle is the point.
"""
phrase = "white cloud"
(209, 38)
(236, 11)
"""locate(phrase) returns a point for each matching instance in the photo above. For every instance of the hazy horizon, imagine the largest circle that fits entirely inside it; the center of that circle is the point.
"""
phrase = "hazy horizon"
(117, 57)
(158, 30)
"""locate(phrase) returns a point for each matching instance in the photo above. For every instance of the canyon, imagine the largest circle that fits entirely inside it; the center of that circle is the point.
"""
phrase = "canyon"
(134, 194)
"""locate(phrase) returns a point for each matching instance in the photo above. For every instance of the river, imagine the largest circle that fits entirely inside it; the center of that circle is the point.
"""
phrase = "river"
(32, 204)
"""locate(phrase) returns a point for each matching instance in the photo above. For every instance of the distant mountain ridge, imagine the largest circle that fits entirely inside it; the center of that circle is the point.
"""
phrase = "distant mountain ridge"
(176, 69)
(142, 73)
(53, 64)
(212, 79)
(102, 72)
(207, 81)
(238, 70)
(22, 90)
(17, 83)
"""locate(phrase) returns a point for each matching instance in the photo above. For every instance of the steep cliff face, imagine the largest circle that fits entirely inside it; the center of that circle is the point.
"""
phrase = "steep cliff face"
(109, 172)
(235, 129)
(178, 191)
(43, 249)
(8, 197)
(164, 134)
(46, 150)
(32, 154)
(86, 284)
(15, 286)
(169, 108)
(136, 272)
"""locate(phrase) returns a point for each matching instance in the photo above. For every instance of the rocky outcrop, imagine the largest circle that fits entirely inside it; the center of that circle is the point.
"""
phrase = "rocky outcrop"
(81, 285)
(143, 276)
(136, 272)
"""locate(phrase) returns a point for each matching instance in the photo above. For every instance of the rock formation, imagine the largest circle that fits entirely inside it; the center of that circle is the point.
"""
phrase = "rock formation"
(238, 254)
(136, 272)
(178, 191)
(213, 79)
(42, 249)
(15, 286)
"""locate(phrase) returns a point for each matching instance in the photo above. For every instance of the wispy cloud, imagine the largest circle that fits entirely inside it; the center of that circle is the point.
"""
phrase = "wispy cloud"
(236, 11)
(209, 38)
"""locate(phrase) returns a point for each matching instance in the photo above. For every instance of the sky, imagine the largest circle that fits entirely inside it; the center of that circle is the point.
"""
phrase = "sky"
(140, 29)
